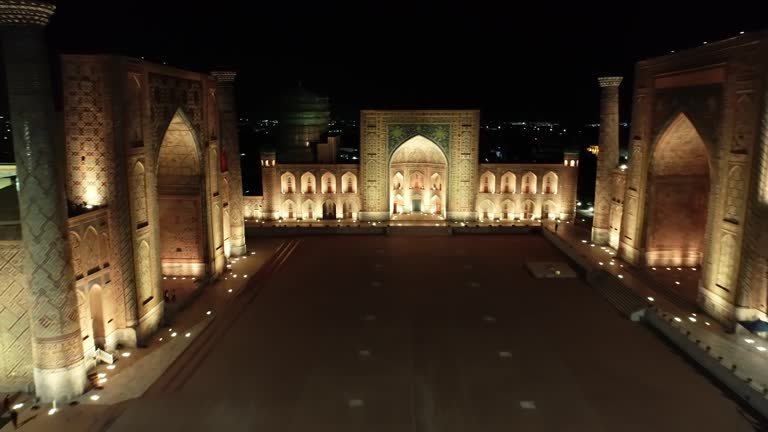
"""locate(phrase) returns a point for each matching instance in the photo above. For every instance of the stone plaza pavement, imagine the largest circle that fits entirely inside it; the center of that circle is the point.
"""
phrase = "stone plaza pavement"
(393, 333)
(442, 333)
(136, 369)
(737, 359)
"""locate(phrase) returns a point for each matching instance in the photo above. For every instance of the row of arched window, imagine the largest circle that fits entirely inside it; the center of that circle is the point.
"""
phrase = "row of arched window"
(416, 181)
(508, 210)
(309, 183)
(528, 184)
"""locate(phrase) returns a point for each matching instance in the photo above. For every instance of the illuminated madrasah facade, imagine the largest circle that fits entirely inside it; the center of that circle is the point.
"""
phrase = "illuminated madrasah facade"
(144, 182)
(417, 165)
(695, 193)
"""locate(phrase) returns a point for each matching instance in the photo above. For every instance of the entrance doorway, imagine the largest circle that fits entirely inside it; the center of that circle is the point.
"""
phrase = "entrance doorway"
(329, 210)
(416, 205)
(418, 169)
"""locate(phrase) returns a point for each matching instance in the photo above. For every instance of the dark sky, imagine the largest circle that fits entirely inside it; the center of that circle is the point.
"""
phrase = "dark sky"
(513, 62)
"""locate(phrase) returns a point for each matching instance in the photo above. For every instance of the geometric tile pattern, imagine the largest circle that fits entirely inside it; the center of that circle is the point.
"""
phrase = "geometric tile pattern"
(167, 95)
(85, 126)
(382, 131)
(15, 346)
(55, 332)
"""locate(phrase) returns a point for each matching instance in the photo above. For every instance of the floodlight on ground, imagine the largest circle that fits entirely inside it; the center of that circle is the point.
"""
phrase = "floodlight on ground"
(669, 268)
(95, 397)
(173, 334)
(621, 276)
(653, 268)
(111, 367)
(102, 380)
(691, 319)
(101, 375)
(126, 354)
(749, 341)
(678, 319)
(188, 335)
(229, 290)
(583, 241)
(18, 406)
(677, 282)
(601, 263)
(160, 340)
(208, 313)
(52, 411)
(761, 349)
(651, 299)
(706, 323)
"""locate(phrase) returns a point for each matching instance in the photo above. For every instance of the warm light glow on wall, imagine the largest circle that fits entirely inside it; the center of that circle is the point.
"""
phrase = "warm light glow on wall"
(593, 149)
(92, 196)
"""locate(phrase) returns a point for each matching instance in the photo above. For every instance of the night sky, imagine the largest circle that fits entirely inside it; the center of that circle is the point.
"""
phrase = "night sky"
(513, 63)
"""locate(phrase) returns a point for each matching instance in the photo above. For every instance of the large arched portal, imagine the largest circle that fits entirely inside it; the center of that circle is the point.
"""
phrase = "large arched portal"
(417, 171)
(678, 195)
(181, 203)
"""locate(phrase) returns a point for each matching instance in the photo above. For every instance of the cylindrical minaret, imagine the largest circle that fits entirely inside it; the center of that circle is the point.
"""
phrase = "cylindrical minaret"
(231, 145)
(270, 186)
(57, 345)
(607, 158)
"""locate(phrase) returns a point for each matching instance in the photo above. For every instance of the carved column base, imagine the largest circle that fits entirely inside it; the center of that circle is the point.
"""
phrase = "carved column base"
(630, 254)
(150, 322)
(60, 384)
(238, 241)
(719, 308)
(601, 236)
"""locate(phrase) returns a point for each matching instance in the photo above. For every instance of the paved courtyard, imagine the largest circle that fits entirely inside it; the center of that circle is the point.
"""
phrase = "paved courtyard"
(376, 333)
